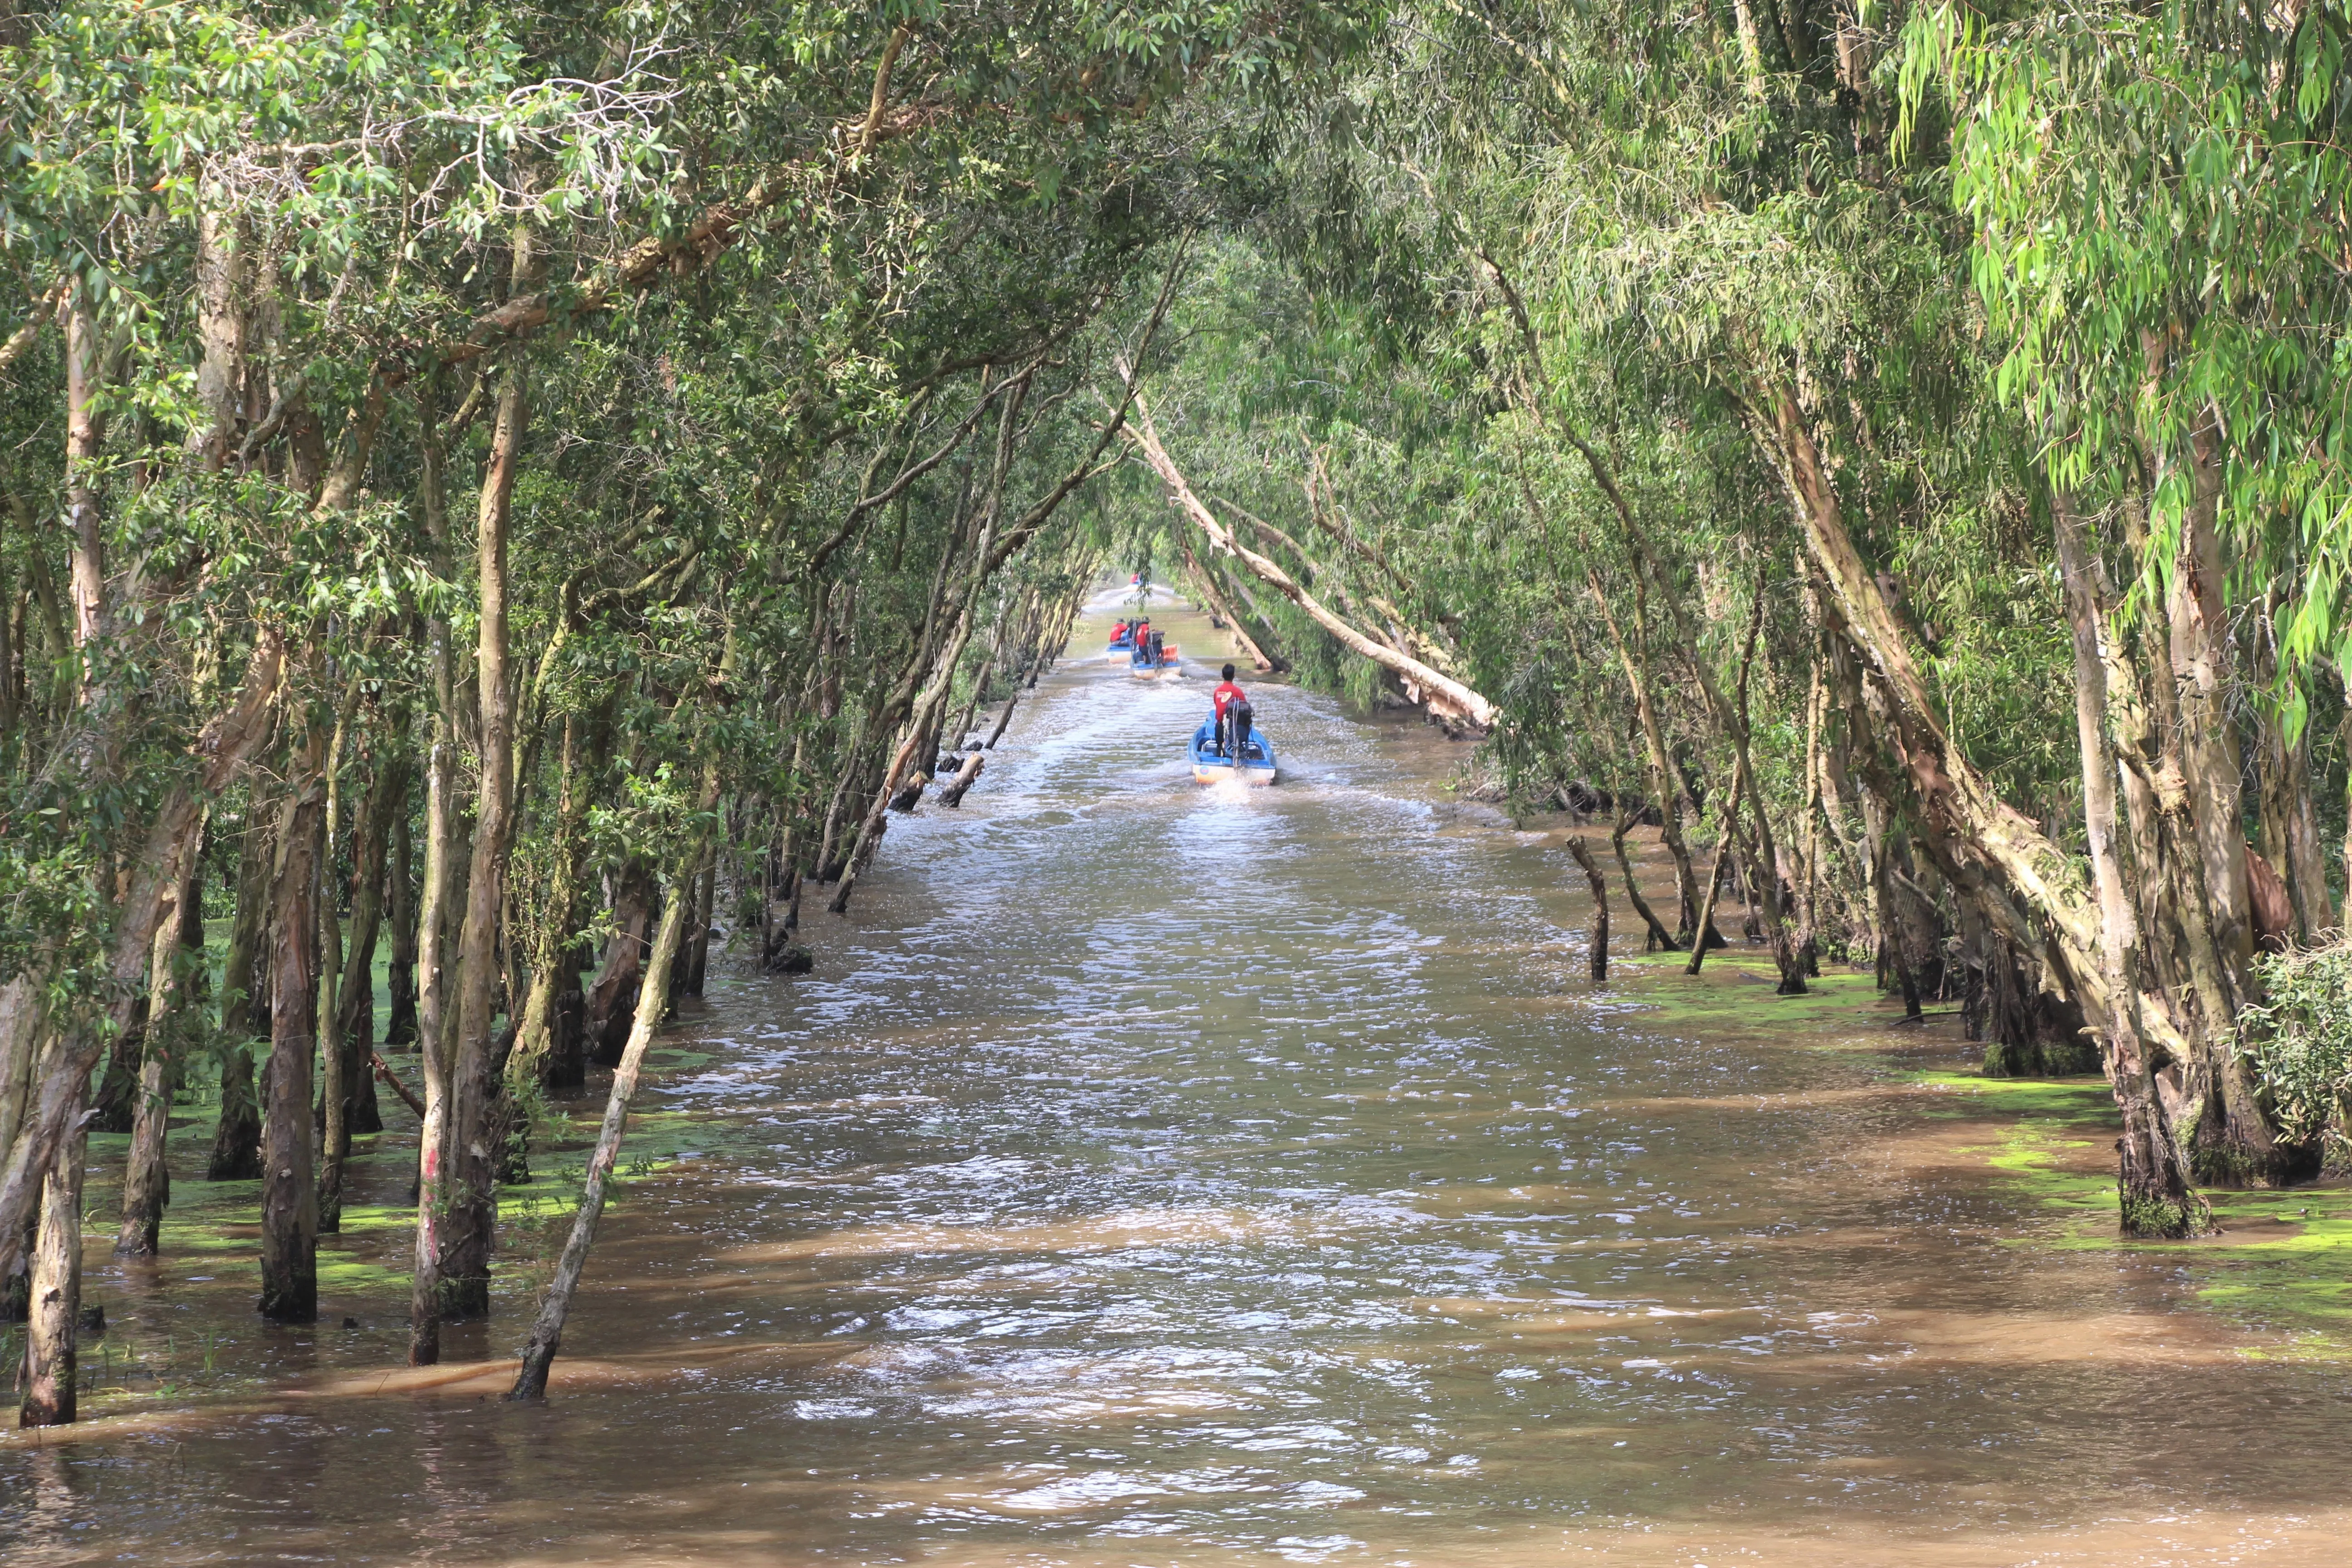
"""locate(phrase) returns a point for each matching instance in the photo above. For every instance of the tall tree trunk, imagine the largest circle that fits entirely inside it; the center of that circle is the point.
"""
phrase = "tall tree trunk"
(334, 1092)
(699, 955)
(547, 1046)
(400, 908)
(244, 998)
(353, 1037)
(146, 1180)
(473, 1198)
(289, 1193)
(2152, 1175)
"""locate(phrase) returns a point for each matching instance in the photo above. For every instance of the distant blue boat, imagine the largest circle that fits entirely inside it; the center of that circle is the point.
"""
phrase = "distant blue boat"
(1149, 660)
(1212, 766)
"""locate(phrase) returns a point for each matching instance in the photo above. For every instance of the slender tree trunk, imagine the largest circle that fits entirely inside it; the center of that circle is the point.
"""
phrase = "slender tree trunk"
(289, 1193)
(547, 1332)
(400, 908)
(146, 1180)
(1207, 587)
(473, 1199)
(440, 899)
(1600, 886)
(1658, 936)
(1723, 845)
(244, 998)
(699, 959)
(541, 1051)
(353, 1042)
(334, 1126)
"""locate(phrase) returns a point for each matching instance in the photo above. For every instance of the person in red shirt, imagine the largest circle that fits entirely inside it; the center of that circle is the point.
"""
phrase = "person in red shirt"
(1118, 631)
(1224, 697)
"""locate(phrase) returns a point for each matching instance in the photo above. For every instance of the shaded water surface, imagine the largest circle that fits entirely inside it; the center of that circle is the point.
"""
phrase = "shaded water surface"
(1152, 1175)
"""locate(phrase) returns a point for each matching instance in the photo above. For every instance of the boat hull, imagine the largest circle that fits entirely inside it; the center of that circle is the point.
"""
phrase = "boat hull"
(1215, 769)
(1209, 767)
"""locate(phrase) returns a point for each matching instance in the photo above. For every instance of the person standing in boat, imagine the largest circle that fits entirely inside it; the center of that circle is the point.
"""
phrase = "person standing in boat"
(1224, 697)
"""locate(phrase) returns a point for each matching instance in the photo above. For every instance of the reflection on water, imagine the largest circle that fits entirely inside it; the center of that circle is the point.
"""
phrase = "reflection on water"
(1153, 1174)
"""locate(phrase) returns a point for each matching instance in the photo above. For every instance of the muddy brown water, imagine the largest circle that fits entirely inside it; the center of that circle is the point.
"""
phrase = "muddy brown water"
(1154, 1174)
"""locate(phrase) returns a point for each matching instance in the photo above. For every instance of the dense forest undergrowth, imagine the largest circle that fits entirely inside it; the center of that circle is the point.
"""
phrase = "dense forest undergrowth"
(496, 497)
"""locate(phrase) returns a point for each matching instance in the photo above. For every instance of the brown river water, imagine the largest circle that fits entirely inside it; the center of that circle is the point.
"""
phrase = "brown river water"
(1154, 1174)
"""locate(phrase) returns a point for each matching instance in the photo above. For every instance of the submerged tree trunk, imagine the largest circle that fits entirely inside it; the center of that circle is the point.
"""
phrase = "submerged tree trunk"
(548, 1043)
(289, 1195)
(245, 999)
(1658, 937)
(472, 1198)
(547, 1332)
(1600, 886)
(2152, 1177)
(351, 1040)
(146, 1180)
(50, 1369)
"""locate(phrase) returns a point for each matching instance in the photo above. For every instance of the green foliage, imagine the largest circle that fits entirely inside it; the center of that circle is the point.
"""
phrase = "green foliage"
(2300, 1043)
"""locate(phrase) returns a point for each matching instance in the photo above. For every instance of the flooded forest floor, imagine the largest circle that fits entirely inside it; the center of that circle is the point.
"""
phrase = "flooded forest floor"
(1150, 1173)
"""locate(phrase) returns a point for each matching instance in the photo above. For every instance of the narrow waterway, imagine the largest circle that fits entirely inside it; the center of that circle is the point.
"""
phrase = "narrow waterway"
(1157, 1175)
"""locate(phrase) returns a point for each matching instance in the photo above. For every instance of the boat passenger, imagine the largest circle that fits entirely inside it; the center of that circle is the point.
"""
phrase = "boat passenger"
(1118, 631)
(1224, 697)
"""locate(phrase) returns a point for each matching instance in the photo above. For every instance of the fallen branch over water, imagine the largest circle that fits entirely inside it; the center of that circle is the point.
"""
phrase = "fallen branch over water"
(1442, 693)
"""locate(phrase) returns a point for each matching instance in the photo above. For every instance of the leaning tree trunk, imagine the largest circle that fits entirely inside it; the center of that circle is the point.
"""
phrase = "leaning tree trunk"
(1600, 886)
(2016, 869)
(547, 1332)
(1658, 937)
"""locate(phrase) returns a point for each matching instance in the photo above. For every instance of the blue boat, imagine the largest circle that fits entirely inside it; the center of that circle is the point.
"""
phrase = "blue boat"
(1211, 765)
(1148, 659)
(1120, 647)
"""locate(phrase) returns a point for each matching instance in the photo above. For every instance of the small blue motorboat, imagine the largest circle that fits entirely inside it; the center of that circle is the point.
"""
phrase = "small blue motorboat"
(1211, 764)
(1148, 659)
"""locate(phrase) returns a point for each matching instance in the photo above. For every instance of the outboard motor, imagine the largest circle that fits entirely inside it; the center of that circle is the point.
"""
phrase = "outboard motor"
(1238, 719)
(1157, 641)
